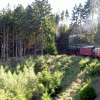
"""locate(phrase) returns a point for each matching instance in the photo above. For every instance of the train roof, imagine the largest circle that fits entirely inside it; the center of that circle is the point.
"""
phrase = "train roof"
(77, 47)
(88, 47)
(97, 46)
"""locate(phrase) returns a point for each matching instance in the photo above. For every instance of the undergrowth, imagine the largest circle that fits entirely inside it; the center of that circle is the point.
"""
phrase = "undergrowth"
(43, 78)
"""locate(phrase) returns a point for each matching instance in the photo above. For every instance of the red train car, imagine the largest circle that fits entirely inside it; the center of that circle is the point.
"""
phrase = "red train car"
(97, 51)
(93, 51)
(87, 50)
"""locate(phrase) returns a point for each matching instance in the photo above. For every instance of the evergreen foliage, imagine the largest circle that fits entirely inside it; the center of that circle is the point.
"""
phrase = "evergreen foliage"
(93, 68)
(62, 40)
(39, 62)
(20, 84)
(46, 96)
(87, 93)
(49, 40)
(83, 63)
(84, 24)
(25, 24)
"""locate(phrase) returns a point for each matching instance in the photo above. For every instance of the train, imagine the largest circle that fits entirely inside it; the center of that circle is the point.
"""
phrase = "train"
(92, 51)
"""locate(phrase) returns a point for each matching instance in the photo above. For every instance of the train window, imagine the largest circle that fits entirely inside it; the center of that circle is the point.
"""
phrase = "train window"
(97, 51)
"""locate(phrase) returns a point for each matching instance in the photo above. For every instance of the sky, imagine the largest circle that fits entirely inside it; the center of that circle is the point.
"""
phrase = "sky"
(61, 4)
(56, 7)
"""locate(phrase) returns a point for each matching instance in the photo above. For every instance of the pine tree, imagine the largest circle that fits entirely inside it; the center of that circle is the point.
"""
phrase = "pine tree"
(98, 33)
(67, 14)
(79, 11)
(62, 15)
(49, 40)
(57, 19)
(75, 15)
(18, 14)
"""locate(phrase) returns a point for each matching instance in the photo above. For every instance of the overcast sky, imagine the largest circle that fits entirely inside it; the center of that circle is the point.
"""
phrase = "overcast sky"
(56, 5)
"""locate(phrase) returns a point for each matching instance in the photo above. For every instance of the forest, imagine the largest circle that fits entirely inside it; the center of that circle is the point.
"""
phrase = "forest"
(33, 64)
(35, 29)
(22, 29)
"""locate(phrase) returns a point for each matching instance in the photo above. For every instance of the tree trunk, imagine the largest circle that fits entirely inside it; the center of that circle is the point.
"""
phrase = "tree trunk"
(92, 31)
(35, 47)
(13, 46)
(4, 45)
(28, 48)
(1, 48)
(24, 48)
(67, 38)
(7, 45)
(20, 46)
(42, 42)
(16, 46)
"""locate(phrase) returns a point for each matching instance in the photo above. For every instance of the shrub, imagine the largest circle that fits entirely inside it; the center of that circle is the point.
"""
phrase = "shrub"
(93, 63)
(17, 86)
(29, 62)
(83, 63)
(39, 91)
(18, 67)
(39, 62)
(2, 94)
(54, 85)
(87, 93)
(8, 67)
(46, 96)
(94, 71)
(48, 58)
(46, 77)
(52, 49)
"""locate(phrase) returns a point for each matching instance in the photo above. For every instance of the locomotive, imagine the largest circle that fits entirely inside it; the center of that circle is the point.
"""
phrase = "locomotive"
(93, 51)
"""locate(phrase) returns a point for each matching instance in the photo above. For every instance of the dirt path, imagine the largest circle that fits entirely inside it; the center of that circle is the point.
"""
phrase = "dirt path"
(72, 91)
